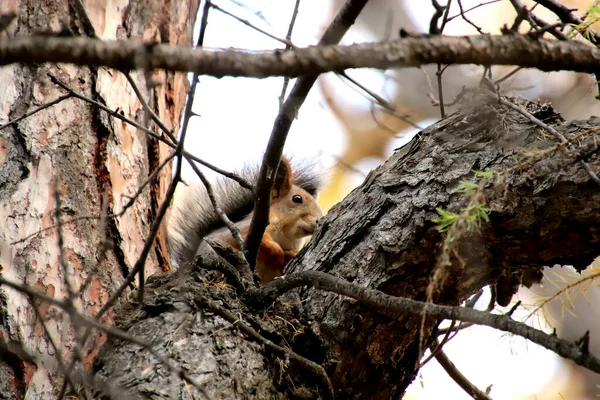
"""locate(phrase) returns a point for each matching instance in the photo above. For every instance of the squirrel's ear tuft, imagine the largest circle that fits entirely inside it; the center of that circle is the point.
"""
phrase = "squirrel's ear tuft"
(283, 178)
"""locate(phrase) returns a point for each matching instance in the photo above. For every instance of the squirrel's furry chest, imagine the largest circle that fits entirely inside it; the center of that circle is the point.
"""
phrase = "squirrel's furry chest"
(272, 257)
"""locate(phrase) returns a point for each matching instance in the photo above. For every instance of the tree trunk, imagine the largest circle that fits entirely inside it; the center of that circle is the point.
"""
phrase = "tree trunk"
(76, 152)
(544, 212)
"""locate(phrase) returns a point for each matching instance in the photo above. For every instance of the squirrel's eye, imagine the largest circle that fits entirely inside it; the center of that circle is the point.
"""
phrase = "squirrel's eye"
(297, 199)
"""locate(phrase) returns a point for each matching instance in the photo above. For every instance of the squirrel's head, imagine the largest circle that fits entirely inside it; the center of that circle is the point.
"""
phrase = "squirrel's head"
(294, 211)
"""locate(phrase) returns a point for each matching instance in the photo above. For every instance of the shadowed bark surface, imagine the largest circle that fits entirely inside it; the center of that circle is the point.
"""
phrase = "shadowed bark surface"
(382, 236)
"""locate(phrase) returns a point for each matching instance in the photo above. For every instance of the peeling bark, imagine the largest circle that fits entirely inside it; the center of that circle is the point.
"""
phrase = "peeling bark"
(382, 236)
(89, 155)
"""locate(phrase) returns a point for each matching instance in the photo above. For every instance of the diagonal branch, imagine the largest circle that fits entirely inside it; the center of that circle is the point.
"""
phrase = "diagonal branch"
(281, 127)
(458, 377)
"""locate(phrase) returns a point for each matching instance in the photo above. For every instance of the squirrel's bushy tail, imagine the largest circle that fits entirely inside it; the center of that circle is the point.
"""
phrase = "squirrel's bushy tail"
(193, 216)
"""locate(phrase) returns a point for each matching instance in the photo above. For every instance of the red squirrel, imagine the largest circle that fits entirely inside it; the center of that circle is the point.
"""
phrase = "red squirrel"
(293, 215)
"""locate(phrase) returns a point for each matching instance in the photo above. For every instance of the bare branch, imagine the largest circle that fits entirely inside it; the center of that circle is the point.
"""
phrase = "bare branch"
(151, 133)
(522, 10)
(466, 19)
(545, 55)
(288, 38)
(68, 379)
(281, 127)
(141, 261)
(462, 12)
(235, 231)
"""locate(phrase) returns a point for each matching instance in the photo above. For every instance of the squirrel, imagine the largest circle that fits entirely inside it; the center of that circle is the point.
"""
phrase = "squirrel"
(293, 215)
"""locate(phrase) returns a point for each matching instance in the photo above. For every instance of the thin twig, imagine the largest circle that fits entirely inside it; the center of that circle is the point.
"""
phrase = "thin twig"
(243, 183)
(522, 10)
(141, 261)
(380, 100)
(112, 113)
(179, 155)
(440, 83)
(288, 38)
(36, 110)
(105, 245)
(466, 19)
(179, 152)
(101, 216)
(61, 248)
(434, 30)
(290, 45)
(445, 18)
(490, 307)
(470, 303)
(57, 350)
(508, 75)
(150, 132)
(286, 41)
(552, 131)
(235, 231)
(139, 190)
(433, 350)
(485, 3)
(148, 109)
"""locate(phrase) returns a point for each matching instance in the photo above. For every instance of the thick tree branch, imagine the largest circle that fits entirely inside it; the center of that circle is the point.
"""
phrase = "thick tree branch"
(382, 236)
(546, 55)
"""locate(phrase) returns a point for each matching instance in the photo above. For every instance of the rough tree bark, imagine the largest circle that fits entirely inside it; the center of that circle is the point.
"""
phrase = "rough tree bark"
(77, 148)
(381, 236)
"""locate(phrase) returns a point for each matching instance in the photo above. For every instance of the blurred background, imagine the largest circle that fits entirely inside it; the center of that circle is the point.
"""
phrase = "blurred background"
(343, 128)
